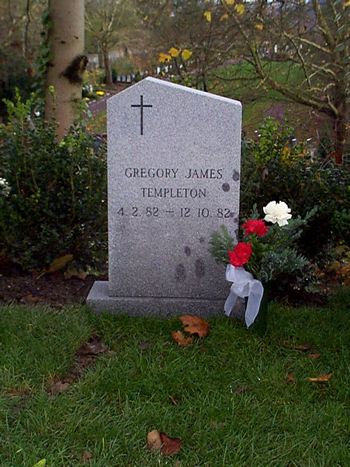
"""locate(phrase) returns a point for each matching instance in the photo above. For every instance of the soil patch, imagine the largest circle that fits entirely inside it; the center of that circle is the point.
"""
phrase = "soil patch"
(56, 290)
(85, 357)
(51, 289)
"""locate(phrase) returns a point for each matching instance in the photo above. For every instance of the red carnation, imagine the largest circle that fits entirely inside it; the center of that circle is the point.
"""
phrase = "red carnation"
(255, 226)
(240, 254)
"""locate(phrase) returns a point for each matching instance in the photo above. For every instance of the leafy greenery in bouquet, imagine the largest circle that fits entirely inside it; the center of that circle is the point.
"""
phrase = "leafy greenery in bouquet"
(266, 251)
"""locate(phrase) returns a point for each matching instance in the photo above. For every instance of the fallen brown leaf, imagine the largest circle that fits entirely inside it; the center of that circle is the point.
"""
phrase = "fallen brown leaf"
(73, 272)
(94, 346)
(174, 400)
(87, 456)
(313, 356)
(181, 339)
(160, 441)
(153, 440)
(304, 347)
(290, 378)
(320, 379)
(59, 263)
(195, 325)
(169, 445)
(59, 387)
(145, 345)
(30, 298)
(242, 390)
(84, 357)
(17, 391)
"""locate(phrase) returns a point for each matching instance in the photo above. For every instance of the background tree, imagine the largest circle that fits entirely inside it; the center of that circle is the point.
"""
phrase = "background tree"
(67, 62)
(313, 38)
(195, 25)
(110, 23)
(20, 38)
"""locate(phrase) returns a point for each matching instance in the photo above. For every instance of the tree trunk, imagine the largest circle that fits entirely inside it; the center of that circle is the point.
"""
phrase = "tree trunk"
(107, 66)
(63, 84)
(340, 133)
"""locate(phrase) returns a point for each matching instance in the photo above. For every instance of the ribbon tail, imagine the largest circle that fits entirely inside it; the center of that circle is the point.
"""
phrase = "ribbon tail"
(254, 299)
(230, 302)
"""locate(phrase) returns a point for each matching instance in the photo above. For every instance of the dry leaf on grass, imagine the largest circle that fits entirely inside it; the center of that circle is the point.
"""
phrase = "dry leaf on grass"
(195, 325)
(290, 378)
(174, 400)
(87, 456)
(160, 441)
(59, 387)
(181, 339)
(21, 392)
(153, 440)
(304, 347)
(169, 445)
(313, 356)
(321, 379)
(84, 357)
(145, 345)
(94, 346)
(242, 389)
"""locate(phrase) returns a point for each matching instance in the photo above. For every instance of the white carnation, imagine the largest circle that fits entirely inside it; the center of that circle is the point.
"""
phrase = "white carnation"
(4, 187)
(277, 212)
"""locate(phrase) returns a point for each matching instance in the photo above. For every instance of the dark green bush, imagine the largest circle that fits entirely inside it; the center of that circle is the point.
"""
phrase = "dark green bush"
(275, 169)
(55, 202)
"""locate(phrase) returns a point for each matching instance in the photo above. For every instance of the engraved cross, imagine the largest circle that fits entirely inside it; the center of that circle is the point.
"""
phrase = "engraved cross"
(141, 106)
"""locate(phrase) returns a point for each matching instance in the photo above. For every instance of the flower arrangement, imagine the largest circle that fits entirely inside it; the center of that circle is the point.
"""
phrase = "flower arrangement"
(264, 254)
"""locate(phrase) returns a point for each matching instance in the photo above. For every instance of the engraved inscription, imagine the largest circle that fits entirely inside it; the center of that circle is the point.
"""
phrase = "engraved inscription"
(182, 212)
(185, 178)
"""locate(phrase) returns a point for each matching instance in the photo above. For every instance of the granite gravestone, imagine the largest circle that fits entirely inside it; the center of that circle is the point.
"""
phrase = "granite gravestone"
(173, 178)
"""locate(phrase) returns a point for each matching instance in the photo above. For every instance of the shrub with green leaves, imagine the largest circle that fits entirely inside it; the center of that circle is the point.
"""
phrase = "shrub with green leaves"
(273, 168)
(55, 199)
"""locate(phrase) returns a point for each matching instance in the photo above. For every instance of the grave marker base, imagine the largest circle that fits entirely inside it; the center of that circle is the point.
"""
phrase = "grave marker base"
(100, 301)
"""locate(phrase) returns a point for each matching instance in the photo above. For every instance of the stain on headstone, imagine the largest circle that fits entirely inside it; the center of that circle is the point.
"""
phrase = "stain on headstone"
(180, 273)
(235, 176)
(200, 268)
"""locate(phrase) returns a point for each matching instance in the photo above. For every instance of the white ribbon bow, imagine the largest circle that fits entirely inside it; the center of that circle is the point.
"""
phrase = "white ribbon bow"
(244, 285)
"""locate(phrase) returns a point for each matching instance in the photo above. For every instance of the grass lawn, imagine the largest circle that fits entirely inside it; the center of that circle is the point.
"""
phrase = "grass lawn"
(237, 82)
(234, 399)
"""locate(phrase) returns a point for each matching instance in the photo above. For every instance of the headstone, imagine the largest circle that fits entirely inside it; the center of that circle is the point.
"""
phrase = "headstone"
(173, 178)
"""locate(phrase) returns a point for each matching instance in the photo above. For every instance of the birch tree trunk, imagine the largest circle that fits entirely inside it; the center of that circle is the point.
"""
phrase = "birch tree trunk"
(63, 83)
